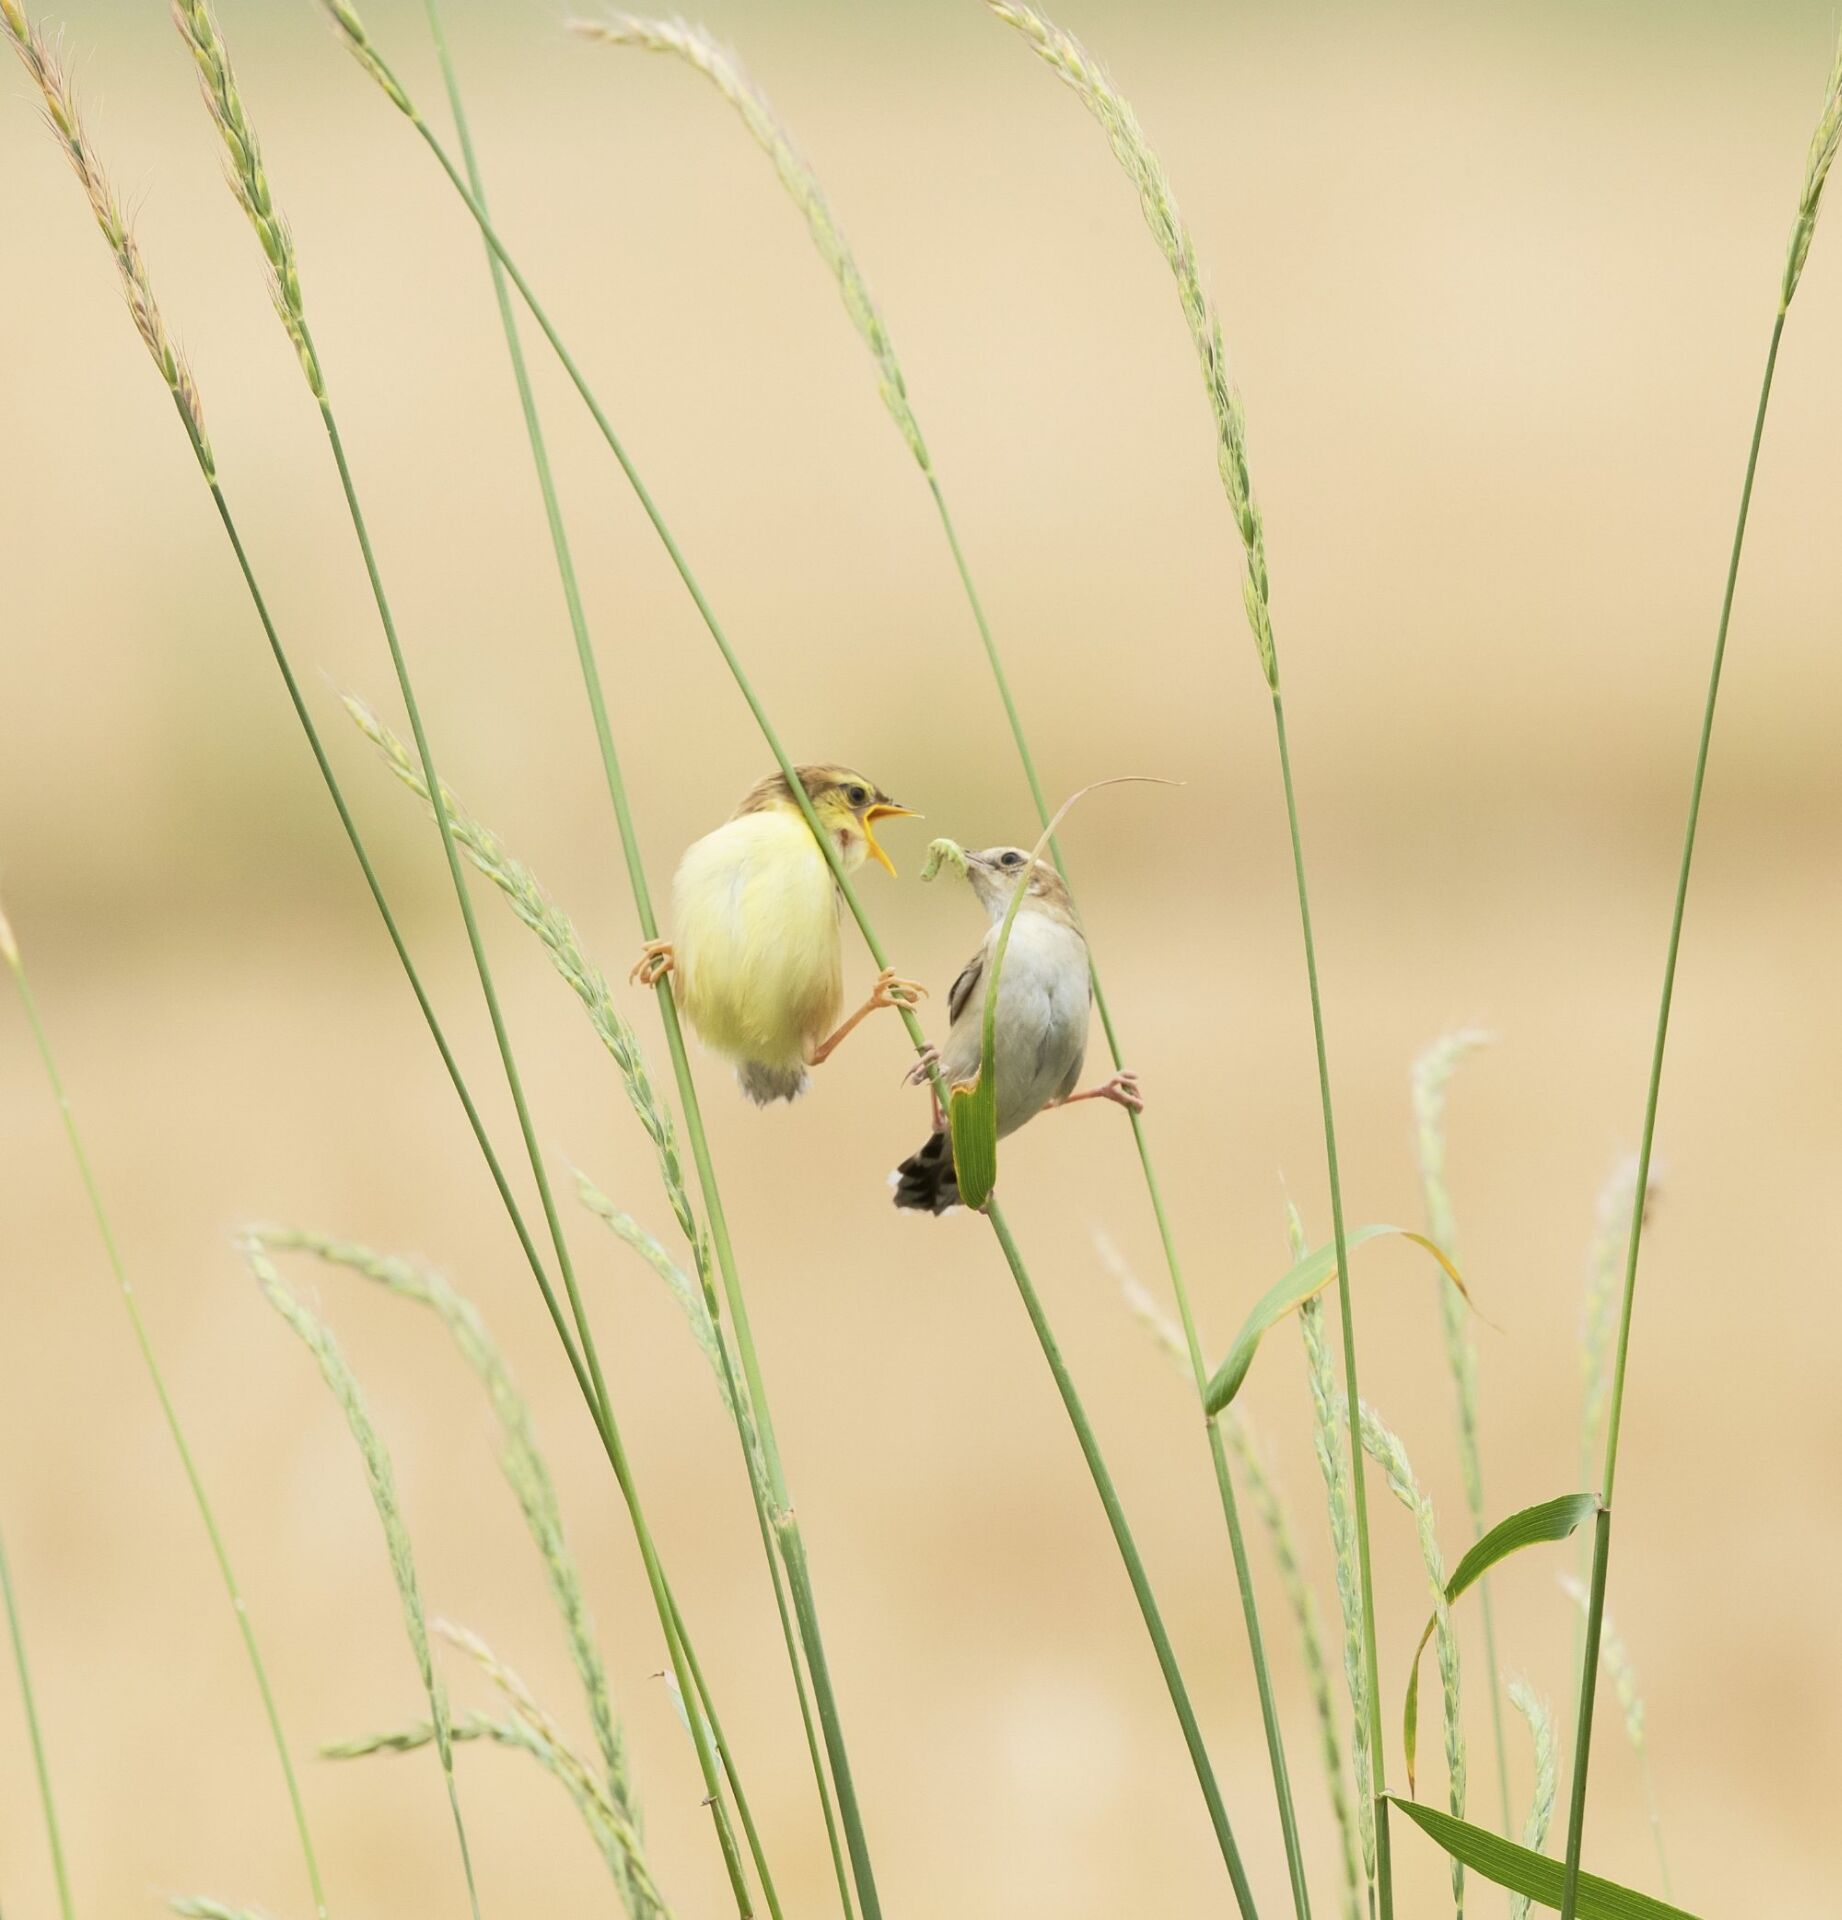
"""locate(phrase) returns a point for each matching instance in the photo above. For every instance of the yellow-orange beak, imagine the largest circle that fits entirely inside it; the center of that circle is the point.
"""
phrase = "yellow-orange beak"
(884, 810)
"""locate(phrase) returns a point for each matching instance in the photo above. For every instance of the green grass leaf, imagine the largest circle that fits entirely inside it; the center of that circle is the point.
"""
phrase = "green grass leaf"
(1311, 1275)
(1528, 1527)
(1533, 1874)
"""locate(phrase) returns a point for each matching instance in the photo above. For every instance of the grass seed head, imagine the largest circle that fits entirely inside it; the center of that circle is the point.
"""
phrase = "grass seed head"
(1823, 145)
(1082, 73)
(249, 180)
(66, 124)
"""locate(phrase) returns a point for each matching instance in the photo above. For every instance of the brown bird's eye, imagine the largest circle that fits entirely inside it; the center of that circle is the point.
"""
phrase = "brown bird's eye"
(856, 795)
(1013, 859)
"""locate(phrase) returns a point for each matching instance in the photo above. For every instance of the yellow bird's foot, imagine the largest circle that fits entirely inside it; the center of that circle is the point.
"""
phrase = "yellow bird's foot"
(656, 961)
(891, 992)
(1122, 1090)
(888, 992)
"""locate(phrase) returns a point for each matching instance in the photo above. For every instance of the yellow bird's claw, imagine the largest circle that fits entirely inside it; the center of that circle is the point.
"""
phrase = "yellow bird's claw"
(655, 962)
(892, 992)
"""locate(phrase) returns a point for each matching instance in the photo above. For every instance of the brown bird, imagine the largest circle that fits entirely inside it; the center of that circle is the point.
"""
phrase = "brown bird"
(1039, 1035)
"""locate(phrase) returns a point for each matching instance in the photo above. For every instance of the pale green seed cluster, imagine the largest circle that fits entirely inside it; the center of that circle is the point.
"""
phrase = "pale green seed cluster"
(552, 926)
(358, 41)
(248, 179)
(522, 1461)
(700, 50)
(1432, 1074)
(1534, 1709)
(1384, 1447)
(1823, 145)
(1067, 57)
(1328, 1441)
(67, 127)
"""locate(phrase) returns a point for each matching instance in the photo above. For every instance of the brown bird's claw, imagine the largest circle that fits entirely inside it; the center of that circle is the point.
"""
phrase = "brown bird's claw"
(891, 992)
(655, 962)
(925, 1063)
(1122, 1090)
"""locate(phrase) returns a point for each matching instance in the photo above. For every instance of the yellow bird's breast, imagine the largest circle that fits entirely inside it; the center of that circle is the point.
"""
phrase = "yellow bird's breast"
(755, 933)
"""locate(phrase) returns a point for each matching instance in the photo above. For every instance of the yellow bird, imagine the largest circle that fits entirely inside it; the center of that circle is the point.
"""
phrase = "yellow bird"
(757, 955)
(1039, 1034)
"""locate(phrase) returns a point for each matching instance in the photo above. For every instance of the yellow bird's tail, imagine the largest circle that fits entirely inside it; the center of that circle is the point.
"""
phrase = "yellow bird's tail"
(765, 1084)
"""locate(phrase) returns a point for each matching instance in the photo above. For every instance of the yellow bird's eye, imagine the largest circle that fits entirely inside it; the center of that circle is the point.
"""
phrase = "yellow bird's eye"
(856, 795)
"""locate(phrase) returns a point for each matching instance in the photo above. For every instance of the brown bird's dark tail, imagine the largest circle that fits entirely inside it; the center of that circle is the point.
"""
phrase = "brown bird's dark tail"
(926, 1180)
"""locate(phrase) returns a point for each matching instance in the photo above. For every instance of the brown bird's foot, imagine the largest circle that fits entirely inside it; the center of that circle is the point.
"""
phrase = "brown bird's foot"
(922, 1074)
(1122, 1089)
(656, 961)
(887, 992)
(923, 1069)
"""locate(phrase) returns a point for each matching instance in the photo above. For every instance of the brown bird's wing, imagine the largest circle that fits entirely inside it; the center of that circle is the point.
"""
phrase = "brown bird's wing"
(966, 985)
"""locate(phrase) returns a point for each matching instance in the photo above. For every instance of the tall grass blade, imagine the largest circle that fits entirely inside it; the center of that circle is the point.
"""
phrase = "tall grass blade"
(1071, 62)
(92, 1189)
(697, 48)
(791, 1538)
(314, 1334)
(1432, 1075)
(1824, 143)
(35, 1738)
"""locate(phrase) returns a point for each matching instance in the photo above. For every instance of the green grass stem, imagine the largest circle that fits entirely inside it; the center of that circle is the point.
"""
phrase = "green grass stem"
(1824, 144)
(41, 1766)
(9, 951)
(696, 47)
(248, 179)
(610, 761)
(792, 1542)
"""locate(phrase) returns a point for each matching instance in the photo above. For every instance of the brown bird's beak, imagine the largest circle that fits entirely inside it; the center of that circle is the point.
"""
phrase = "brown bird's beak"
(884, 810)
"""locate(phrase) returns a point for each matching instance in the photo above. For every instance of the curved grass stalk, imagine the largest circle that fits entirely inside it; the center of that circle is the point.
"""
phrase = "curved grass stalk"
(1077, 69)
(523, 1464)
(615, 1844)
(1824, 144)
(317, 1338)
(699, 50)
(41, 1766)
(791, 1539)
(9, 952)
(199, 30)
(1432, 1073)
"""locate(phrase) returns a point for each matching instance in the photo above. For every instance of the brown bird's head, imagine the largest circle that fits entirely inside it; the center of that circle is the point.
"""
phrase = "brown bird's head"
(995, 874)
(847, 804)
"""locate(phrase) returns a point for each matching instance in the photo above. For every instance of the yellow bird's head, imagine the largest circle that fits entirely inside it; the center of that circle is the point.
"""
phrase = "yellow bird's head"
(848, 805)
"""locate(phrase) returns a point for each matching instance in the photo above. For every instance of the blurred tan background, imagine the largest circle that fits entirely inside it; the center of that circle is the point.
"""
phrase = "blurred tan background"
(1497, 289)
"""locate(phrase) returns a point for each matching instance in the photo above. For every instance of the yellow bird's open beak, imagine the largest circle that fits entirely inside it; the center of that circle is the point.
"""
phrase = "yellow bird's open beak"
(884, 810)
